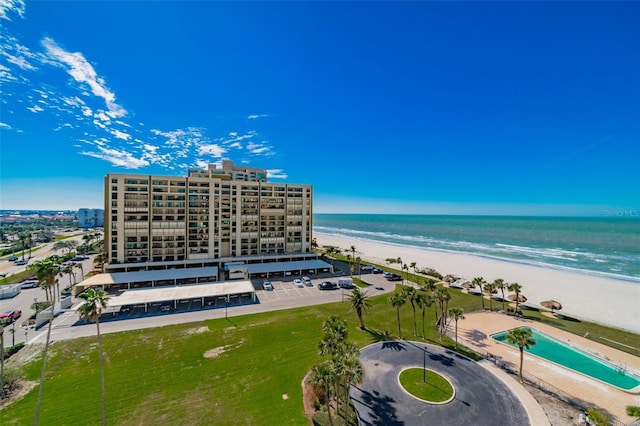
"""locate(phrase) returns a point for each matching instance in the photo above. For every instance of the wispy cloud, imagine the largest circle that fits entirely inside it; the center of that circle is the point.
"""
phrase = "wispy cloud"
(276, 174)
(4, 126)
(83, 72)
(118, 158)
(213, 150)
(16, 6)
(254, 116)
(36, 108)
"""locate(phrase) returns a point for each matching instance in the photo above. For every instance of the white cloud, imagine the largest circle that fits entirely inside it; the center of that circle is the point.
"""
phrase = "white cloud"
(86, 111)
(36, 108)
(260, 150)
(4, 126)
(254, 116)
(236, 145)
(276, 174)
(213, 149)
(16, 6)
(100, 115)
(118, 158)
(20, 61)
(83, 72)
(120, 135)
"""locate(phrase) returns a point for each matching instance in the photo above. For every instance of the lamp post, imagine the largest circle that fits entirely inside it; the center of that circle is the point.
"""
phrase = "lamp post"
(424, 364)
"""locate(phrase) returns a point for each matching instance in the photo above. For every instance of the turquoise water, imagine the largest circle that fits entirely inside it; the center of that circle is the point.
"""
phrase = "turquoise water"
(602, 246)
(555, 351)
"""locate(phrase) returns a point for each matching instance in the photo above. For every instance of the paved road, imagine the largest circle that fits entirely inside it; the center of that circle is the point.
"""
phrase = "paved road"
(481, 398)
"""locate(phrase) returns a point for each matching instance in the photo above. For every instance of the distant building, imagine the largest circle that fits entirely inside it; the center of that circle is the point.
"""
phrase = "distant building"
(90, 218)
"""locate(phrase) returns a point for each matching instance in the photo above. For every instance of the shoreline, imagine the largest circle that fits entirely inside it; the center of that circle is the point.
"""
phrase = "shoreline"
(585, 296)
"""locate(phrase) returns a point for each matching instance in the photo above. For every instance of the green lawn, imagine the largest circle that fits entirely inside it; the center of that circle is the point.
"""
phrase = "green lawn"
(432, 388)
(161, 375)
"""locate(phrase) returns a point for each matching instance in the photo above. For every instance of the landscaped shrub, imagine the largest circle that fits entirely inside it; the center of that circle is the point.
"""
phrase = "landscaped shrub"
(597, 418)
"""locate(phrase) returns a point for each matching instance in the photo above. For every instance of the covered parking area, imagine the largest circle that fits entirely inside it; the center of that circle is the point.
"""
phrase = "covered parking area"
(182, 298)
(285, 269)
(118, 281)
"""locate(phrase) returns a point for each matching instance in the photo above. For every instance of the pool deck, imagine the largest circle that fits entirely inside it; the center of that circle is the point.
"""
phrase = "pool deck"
(476, 329)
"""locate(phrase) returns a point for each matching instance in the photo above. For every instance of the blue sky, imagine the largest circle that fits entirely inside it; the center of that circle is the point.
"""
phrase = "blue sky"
(417, 107)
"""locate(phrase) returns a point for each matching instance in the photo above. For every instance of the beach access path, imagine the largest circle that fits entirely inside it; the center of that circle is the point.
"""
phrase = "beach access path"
(584, 296)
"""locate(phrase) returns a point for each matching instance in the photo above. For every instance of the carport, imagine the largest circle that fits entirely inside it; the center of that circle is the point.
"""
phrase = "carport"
(142, 279)
(235, 292)
(282, 269)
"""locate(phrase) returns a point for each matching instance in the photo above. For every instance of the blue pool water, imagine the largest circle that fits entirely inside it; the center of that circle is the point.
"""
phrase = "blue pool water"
(555, 351)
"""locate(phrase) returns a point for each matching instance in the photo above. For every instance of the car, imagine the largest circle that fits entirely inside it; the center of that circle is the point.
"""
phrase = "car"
(307, 281)
(79, 258)
(346, 284)
(10, 315)
(165, 308)
(327, 285)
(366, 268)
(394, 277)
(13, 258)
(387, 274)
(377, 271)
(125, 309)
(266, 285)
(298, 283)
(22, 262)
(29, 284)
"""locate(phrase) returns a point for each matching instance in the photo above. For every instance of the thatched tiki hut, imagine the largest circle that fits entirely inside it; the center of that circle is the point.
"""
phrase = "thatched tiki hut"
(552, 304)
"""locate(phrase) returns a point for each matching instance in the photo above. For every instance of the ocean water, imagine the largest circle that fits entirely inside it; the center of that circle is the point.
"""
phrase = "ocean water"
(601, 246)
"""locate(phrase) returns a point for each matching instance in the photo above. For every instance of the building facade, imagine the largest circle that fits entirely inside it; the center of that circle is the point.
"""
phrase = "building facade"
(207, 218)
(90, 218)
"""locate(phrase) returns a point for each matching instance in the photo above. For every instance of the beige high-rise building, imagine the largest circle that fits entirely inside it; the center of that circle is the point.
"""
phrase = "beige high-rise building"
(208, 218)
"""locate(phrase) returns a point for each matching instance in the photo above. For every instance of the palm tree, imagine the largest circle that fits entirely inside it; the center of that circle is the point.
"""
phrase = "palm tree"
(517, 289)
(424, 300)
(409, 293)
(489, 288)
(24, 237)
(1, 362)
(480, 282)
(353, 250)
(405, 267)
(522, 337)
(79, 266)
(330, 251)
(431, 288)
(322, 376)
(335, 333)
(353, 372)
(413, 266)
(456, 314)
(499, 284)
(94, 302)
(46, 271)
(442, 296)
(397, 300)
(358, 261)
(360, 302)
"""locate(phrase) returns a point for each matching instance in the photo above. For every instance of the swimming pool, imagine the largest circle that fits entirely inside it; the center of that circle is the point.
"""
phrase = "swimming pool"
(553, 350)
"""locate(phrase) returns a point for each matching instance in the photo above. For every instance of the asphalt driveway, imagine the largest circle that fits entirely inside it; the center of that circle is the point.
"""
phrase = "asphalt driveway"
(481, 398)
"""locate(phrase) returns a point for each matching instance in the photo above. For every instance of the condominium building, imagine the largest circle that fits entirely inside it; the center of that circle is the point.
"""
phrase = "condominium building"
(211, 217)
(89, 218)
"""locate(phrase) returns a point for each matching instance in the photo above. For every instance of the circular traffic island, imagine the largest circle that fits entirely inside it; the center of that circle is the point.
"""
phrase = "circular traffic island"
(427, 385)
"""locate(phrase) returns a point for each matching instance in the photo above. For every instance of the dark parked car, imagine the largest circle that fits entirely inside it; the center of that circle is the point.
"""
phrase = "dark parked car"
(394, 277)
(377, 271)
(327, 285)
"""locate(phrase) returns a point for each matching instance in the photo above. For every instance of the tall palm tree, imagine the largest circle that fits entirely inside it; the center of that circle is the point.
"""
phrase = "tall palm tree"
(480, 282)
(424, 300)
(330, 251)
(397, 300)
(353, 372)
(405, 267)
(1, 362)
(456, 314)
(522, 337)
(409, 293)
(358, 262)
(413, 266)
(442, 296)
(431, 287)
(94, 302)
(334, 334)
(517, 289)
(323, 377)
(499, 284)
(24, 238)
(79, 266)
(360, 303)
(46, 271)
(489, 288)
(353, 251)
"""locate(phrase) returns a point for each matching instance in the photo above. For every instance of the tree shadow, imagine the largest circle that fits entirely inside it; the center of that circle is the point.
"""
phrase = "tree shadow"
(381, 410)
(477, 337)
(444, 360)
(394, 345)
(379, 336)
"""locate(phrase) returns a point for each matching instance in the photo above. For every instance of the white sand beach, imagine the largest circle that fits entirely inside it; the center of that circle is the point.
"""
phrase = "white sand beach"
(599, 299)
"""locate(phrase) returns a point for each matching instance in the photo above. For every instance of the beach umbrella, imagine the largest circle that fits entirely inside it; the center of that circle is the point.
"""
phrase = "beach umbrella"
(552, 304)
(521, 298)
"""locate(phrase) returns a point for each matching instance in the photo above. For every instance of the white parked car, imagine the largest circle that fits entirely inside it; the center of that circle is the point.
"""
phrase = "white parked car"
(307, 281)
(266, 285)
(298, 283)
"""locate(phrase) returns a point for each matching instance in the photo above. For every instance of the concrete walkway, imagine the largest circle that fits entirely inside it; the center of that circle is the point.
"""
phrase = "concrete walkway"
(480, 398)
